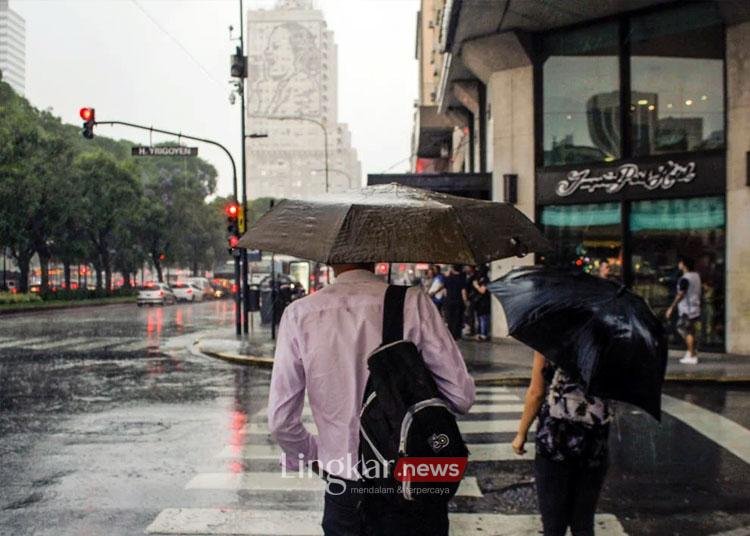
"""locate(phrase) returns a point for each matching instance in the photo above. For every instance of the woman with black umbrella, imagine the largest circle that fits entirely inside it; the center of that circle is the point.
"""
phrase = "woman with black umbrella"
(571, 448)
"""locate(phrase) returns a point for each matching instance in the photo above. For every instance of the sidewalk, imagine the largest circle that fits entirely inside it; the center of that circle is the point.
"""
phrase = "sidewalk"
(504, 361)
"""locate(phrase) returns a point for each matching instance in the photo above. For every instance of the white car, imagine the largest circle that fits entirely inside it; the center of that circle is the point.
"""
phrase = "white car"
(187, 292)
(203, 285)
(155, 294)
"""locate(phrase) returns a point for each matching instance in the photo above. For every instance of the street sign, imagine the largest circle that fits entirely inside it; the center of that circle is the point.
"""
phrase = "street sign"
(172, 150)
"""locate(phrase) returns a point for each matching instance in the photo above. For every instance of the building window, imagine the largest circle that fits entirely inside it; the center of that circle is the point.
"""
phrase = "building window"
(677, 80)
(663, 230)
(584, 235)
(581, 95)
(669, 99)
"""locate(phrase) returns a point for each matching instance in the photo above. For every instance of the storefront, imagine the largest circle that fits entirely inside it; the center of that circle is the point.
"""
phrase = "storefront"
(630, 151)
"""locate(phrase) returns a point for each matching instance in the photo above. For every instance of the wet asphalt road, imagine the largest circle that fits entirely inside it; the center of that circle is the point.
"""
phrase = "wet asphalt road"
(108, 421)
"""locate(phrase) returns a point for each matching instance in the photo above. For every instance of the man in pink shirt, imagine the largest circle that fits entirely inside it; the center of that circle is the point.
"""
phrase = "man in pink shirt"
(323, 345)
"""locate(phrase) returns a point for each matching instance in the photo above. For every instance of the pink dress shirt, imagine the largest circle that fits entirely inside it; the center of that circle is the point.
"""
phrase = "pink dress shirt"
(323, 344)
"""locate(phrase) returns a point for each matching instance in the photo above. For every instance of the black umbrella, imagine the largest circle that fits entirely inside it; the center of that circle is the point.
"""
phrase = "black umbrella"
(394, 223)
(597, 330)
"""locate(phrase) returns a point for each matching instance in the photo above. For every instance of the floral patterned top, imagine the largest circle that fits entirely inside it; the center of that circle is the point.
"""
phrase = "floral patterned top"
(573, 426)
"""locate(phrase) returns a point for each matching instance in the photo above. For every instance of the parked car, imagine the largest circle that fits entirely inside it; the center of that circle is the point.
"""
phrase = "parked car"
(203, 285)
(219, 291)
(156, 294)
(187, 292)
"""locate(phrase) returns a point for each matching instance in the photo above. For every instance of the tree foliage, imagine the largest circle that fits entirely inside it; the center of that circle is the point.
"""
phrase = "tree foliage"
(72, 200)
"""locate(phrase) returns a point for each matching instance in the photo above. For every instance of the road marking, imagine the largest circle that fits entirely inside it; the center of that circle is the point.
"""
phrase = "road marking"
(496, 408)
(489, 389)
(494, 426)
(22, 343)
(479, 452)
(58, 343)
(496, 397)
(719, 429)
(307, 523)
(263, 481)
(140, 344)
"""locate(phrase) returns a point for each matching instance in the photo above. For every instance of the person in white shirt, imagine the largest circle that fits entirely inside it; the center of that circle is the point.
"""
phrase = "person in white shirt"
(323, 345)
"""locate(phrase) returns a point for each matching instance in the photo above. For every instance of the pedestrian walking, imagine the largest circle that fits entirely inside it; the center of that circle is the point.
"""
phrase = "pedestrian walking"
(470, 295)
(688, 303)
(455, 295)
(323, 346)
(482, 303)
(571, 448)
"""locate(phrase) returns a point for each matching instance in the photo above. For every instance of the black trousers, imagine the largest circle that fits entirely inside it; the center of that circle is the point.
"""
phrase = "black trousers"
(567, 494)
(357, 513)
(454, 317)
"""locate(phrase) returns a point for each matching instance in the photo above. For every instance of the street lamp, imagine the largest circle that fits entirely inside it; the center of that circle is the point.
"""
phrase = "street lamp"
(311, 120)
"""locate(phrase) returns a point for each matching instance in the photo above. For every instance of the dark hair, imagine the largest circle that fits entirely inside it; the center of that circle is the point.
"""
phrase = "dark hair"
(687, 261)
(457, 267)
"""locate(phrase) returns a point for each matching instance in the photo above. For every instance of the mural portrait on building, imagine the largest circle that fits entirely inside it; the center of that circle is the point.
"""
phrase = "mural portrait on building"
(285, 74)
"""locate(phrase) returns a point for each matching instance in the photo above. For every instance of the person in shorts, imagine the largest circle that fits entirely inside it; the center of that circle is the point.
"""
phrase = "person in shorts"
(688, 304)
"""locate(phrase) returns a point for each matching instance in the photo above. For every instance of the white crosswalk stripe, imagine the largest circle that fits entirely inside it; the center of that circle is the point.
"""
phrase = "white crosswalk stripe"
(480, 452)
(21, 343)
(496, 397)
(307, 523)
(493, 426)
(496, 408)
(59, 343)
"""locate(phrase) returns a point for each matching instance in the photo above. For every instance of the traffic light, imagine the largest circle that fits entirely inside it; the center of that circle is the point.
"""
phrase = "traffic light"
(89, 117)
(232, 210)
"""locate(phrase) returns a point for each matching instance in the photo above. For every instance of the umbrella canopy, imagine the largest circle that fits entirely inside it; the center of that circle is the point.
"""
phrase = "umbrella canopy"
(394, 223)
(596, 329)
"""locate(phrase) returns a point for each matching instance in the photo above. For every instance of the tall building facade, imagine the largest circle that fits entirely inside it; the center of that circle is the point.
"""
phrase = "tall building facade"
(12, 48)
(619, 127)
(292, 97)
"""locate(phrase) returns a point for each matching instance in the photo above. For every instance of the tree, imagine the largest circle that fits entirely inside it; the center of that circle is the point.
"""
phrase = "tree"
(111, 193)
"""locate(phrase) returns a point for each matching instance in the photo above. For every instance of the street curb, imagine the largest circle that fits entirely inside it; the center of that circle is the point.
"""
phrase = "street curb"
(236, 359)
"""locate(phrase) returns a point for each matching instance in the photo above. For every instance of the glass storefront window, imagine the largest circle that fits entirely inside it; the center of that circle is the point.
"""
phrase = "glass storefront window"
(584, 236)
(677, 80)
(662, 230)
(581, 96)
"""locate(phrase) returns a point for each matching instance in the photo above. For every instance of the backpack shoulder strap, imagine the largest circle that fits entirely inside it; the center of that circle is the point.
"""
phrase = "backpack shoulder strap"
(393, 313)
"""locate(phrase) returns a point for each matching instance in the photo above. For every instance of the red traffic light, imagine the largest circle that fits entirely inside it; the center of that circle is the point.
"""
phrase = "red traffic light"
(234, 241)
(231, 210)
(87, 114)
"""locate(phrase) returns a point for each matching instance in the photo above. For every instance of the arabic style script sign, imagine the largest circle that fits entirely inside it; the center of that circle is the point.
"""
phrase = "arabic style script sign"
(662, 177)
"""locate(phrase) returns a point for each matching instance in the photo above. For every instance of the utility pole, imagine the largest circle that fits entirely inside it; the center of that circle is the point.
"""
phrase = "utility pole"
(238, 71)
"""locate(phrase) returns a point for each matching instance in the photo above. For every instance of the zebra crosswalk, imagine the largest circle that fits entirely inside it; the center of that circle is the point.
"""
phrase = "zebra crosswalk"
(255, 470)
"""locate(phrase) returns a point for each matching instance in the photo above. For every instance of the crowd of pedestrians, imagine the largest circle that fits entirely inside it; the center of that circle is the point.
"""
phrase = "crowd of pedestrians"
(460, 293)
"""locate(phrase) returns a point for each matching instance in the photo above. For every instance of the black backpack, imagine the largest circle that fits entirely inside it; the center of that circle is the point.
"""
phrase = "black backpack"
(403, 414)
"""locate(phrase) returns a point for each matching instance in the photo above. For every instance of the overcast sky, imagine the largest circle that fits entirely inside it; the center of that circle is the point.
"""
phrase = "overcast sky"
(110, 55)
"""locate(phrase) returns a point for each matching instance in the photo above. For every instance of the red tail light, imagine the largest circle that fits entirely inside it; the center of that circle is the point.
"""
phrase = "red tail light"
(161, 293)
(189, 291)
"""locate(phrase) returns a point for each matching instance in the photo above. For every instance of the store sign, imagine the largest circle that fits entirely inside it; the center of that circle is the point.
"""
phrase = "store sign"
(653, 177)
(663, 177)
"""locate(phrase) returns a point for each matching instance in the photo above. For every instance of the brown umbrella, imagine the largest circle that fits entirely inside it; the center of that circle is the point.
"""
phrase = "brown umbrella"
(394, 223)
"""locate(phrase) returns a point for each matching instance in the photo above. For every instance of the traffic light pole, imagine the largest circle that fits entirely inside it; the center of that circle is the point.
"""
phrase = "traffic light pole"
(243, 251)
(238, 305)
